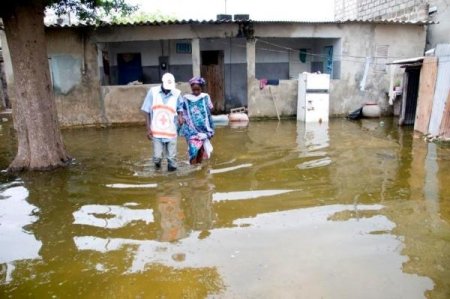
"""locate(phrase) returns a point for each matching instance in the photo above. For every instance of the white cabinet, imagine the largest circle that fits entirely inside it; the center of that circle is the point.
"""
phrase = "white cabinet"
(313, 98)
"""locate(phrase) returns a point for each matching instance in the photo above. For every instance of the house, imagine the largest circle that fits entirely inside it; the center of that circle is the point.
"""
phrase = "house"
(401, 10)
(92, 66)
(425, 101)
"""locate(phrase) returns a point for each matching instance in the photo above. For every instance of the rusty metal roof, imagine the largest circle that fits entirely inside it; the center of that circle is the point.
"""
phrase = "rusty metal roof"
(216, 22)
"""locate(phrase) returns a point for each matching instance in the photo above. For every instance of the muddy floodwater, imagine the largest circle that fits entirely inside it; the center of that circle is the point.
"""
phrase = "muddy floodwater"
(282, 210)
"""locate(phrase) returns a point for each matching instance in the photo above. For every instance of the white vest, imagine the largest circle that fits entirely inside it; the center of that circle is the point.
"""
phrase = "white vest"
(163, 125)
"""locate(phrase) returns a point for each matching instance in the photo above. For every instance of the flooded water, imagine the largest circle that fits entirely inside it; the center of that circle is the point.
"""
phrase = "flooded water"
(282, 210)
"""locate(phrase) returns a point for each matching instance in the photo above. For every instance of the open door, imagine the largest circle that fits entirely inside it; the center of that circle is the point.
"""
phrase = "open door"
(409, 100)
(130, 67)
(212, 70)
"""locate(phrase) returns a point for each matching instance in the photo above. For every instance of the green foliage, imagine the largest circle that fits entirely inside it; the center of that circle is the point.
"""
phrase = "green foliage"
(142, 17)
(92, 11)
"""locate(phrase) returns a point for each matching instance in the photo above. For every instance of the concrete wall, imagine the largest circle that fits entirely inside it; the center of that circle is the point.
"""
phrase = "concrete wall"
(123, 103)
(282, 97)
(345, 9)
(439, 33)
(411, 10)
(76, 82)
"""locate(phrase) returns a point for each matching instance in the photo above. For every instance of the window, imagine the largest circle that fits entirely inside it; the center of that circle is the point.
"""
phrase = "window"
(183, 48)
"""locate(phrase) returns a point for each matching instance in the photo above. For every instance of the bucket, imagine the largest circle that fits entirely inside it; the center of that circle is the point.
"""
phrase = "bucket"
(237, 117)
(371, 110)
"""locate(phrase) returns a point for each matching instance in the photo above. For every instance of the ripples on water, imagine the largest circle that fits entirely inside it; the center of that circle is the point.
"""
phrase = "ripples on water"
(282, 210)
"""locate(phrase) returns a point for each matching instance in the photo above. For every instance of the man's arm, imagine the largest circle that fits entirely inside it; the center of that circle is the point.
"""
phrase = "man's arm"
(180, 110)
(147, 108)
(148, 122)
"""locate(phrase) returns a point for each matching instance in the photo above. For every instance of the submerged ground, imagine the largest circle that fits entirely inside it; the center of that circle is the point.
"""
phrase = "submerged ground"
(282, 210)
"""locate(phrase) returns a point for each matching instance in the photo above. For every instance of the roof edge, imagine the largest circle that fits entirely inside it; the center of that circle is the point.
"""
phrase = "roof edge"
(218, 22)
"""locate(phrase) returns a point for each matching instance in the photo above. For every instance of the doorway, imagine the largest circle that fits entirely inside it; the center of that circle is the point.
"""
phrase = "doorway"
(212, 70)
(410, 93)
(130, 67)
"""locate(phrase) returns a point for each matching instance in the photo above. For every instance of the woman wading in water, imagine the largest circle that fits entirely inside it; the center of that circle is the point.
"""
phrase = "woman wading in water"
(198, 127)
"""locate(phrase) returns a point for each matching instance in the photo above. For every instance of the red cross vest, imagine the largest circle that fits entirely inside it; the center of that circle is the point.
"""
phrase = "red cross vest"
(163, 125)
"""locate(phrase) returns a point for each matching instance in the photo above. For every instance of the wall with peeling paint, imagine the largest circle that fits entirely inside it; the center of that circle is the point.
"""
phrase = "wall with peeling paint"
(75, 76)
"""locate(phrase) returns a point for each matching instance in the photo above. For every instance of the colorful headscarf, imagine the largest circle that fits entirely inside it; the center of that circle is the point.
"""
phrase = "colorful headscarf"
(197, 80)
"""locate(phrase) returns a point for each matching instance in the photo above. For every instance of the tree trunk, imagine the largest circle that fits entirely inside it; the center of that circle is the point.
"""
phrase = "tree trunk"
(40, 144)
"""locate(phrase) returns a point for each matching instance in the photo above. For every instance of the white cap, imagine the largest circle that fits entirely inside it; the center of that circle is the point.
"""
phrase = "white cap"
(168, 81)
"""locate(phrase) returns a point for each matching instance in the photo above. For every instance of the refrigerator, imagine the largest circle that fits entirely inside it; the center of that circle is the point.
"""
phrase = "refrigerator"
(313, 102)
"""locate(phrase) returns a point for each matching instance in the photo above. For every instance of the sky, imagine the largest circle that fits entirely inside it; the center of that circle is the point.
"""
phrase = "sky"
(275, 10)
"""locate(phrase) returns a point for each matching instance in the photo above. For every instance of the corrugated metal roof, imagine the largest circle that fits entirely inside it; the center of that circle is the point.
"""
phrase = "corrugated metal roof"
(407, 60)
(214, 22)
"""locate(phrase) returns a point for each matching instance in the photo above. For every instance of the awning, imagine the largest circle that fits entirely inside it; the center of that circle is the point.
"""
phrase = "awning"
(406, 61)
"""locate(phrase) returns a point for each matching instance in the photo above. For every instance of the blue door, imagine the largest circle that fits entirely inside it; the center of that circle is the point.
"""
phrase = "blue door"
(129, 67)
(329, 60)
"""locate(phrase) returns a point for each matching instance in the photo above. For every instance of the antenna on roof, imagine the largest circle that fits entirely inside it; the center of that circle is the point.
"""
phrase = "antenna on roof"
(225, 6)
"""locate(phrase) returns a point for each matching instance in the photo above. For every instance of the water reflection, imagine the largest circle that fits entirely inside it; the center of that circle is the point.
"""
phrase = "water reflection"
(231, 168)
(238, 124)
(171, 217)
(239, 195)
(16, 243)
(312, 139)
(109, 216)
(285, 242)
(312, 136)
(127, 186)
(248, 223)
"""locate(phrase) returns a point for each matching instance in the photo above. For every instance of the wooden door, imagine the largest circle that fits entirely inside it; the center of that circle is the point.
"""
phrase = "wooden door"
(212, 70)
(427, 84)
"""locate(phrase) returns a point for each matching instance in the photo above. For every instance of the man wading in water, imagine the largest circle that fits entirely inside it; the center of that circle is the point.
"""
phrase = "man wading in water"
(162, 107)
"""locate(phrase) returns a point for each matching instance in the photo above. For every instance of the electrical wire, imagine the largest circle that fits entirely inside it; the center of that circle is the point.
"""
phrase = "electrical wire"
(343, 57)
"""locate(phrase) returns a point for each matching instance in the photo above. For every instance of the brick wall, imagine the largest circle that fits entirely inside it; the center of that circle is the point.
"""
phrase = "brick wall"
(405, 10)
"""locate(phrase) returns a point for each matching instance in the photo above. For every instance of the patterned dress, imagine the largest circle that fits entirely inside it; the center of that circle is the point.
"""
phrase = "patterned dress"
(198, 127)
